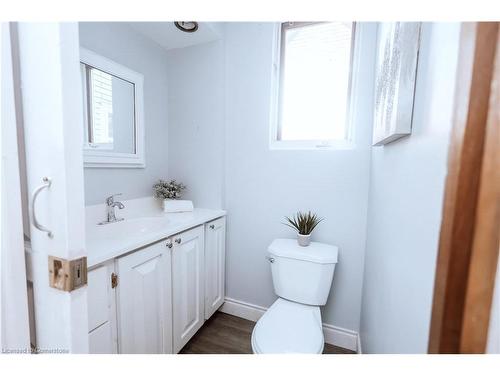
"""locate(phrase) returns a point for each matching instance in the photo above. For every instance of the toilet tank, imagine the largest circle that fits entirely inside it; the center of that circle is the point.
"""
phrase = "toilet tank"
(302, 274)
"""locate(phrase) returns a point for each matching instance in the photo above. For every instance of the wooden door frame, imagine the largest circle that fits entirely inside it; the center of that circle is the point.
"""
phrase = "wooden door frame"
(469, 239)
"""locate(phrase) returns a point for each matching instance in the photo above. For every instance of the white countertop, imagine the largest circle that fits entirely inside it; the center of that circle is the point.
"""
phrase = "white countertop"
(139, 229)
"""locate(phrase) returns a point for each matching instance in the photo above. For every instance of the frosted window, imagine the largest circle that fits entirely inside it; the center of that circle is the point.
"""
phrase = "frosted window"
(314, 81)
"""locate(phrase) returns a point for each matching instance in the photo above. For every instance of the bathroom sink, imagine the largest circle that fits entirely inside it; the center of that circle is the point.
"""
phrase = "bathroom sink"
(131, 227)
(108, 241)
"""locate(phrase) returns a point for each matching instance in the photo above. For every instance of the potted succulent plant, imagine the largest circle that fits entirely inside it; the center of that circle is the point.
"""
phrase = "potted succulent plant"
(170, 193)
(304, 224)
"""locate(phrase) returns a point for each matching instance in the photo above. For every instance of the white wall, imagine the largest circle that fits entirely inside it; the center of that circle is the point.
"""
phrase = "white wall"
(219, 103)
(406, 193)
(493, 344)
(221, 151)
(119, 42)
(196, 121)
(262, 185)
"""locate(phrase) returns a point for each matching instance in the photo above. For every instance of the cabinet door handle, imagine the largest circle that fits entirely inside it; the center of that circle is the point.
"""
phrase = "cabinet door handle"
(114, 280)
(178, 240)
(212, 226)
(169, 244)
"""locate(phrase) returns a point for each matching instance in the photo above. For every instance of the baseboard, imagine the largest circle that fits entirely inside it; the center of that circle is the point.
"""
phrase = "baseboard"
(337, 336)
(345, 338)
(360, 351)
(242, 309)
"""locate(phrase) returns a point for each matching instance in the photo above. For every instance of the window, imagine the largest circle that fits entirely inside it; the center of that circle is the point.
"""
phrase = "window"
(312, 85)
(113, 113)
(101, 92)
(109, 107)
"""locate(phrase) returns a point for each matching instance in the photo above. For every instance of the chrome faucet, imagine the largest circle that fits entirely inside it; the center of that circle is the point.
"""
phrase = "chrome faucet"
(111, 204)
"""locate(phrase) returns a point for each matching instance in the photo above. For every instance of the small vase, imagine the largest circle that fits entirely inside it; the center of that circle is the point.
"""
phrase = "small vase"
(304, 239)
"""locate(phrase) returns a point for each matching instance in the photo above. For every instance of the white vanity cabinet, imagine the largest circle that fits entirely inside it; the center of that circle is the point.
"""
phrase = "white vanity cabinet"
(188, 280)
(102, 309)
(155, 298)
(215, 263)
(144, 296)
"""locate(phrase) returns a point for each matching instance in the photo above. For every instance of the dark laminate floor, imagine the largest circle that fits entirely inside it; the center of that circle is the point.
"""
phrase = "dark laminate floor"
(227, 334)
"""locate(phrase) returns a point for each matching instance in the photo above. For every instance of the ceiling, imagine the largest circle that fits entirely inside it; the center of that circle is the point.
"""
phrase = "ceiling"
(169, 37)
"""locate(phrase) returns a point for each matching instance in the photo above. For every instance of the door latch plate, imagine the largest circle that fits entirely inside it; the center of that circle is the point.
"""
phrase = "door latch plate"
(66, 274)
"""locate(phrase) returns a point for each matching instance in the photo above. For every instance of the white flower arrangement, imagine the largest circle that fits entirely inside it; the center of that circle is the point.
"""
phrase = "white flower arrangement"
(168, 189)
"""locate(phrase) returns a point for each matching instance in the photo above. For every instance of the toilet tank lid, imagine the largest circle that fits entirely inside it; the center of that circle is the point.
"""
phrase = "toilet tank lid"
(316, 252)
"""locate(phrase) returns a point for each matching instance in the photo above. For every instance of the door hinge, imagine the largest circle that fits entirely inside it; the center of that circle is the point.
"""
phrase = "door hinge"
(114, 280)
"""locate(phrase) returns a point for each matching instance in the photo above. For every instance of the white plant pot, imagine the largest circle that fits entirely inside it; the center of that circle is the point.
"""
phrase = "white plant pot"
(304, 239)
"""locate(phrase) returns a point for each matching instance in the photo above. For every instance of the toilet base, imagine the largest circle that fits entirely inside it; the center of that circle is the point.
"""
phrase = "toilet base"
(289, 327)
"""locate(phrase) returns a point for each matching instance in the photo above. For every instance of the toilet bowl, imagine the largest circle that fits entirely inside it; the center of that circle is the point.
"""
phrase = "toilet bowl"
(289, 327)
(302, 278)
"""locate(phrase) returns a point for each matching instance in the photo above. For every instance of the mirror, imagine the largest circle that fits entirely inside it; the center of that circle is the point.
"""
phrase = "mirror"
(112, 103)
(109, 111)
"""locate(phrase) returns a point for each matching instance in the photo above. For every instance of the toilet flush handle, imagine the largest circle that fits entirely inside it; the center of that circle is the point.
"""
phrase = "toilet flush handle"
(270, 259)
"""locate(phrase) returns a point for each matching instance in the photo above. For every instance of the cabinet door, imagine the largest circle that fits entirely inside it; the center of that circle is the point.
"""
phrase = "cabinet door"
(102, 310)
(215, 253)
(144, 300)
(187, 285)
(99, 340)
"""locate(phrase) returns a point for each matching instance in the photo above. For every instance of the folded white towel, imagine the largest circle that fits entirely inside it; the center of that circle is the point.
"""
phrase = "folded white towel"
(177, 205)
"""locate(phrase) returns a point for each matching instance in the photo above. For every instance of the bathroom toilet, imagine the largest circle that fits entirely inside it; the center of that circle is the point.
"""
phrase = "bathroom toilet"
(302, 277)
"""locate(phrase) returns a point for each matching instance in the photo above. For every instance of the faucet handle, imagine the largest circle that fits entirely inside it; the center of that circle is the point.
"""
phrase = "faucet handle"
(110, 200)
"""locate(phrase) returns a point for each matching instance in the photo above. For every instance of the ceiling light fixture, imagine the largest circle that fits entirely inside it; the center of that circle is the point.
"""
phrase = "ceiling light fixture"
(187, 26)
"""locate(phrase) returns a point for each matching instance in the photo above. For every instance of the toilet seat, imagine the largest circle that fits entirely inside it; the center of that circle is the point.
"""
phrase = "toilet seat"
(289, 327)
